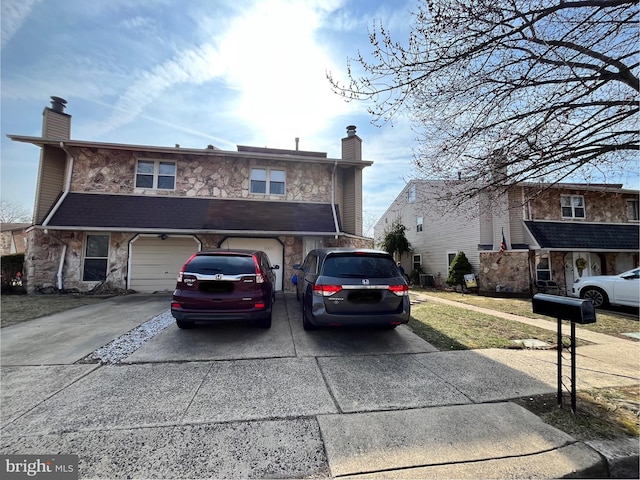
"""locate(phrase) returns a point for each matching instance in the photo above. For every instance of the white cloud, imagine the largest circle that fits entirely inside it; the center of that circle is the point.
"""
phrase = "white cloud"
(12, 14)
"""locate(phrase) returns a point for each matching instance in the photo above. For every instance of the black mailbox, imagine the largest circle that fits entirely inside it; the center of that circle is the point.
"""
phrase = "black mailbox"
(564, 308)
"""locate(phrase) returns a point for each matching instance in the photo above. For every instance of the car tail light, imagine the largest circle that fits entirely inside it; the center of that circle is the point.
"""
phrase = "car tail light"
(184, 267)
(176, 304)
(400, 290)
(260, 305)
(326, 290)
(259, 274)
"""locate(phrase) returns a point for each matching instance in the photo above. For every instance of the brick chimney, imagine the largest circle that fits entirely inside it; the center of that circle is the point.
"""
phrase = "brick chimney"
(351, 145)
(55, 123)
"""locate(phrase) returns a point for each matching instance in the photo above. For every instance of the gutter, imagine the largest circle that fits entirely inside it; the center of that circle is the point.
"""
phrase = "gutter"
(67, 188)
(333, 202)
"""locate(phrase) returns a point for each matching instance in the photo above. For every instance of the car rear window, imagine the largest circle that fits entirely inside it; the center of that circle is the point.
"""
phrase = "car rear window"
(359, 266)
(226, 264)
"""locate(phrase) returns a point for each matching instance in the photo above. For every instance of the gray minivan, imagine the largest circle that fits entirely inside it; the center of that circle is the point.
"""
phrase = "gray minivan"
(351, 287)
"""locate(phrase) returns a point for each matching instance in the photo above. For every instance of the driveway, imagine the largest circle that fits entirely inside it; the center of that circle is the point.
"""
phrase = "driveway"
(234, 401)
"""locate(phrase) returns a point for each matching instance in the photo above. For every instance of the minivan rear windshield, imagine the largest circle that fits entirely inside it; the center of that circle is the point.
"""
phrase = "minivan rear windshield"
(226, 264)
(359, 266)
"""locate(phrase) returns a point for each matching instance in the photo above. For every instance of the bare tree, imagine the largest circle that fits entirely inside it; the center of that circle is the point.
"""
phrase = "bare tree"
(12, 213)
(506, 91)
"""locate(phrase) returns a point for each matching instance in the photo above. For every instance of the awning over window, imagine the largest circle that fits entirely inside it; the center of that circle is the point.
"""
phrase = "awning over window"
(136, 213)
(585, 236)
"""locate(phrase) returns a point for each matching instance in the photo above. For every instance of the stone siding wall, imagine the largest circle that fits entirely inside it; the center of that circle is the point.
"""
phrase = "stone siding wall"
(43, 261)
(113, 171)
(599, 206)
(508, 271)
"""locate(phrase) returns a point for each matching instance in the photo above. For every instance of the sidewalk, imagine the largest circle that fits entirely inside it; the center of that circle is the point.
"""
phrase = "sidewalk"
(232, 401)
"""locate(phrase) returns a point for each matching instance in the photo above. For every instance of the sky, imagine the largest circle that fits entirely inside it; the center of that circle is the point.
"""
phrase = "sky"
(194, 73)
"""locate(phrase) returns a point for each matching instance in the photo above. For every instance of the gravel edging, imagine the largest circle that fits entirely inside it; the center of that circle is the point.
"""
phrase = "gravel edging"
(123, 346)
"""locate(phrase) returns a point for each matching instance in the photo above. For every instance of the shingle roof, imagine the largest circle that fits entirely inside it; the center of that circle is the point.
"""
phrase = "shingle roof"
(127, 212)
(589, 236)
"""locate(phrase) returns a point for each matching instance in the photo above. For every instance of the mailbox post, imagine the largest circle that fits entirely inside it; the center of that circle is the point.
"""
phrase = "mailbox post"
(574, 310)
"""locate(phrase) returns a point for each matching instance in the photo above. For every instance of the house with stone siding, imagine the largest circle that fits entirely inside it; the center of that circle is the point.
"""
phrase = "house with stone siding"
(548, 230)
(126, 217)
(12, 238)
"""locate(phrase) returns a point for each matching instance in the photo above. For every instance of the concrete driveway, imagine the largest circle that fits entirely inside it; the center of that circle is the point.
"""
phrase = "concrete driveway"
(235, 401)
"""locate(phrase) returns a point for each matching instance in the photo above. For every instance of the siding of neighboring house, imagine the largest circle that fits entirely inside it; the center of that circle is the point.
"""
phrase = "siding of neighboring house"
(476, 228)
(444, 231)
(12, 238)
(600, 206)
(516, 216)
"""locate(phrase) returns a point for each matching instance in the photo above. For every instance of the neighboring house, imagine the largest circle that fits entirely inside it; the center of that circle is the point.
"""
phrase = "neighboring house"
(128, 216)
(545, 233)
(12, 238)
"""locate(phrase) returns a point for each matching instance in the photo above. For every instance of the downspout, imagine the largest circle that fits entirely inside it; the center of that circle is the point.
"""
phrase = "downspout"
(65, 192)
(333, 200)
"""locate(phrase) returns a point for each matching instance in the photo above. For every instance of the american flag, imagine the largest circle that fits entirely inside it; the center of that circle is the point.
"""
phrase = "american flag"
(503, 245)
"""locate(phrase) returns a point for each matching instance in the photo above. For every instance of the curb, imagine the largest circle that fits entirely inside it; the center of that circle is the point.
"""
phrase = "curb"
(621, 456)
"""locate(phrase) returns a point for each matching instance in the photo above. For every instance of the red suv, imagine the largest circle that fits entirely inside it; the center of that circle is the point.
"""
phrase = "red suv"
(225, 285)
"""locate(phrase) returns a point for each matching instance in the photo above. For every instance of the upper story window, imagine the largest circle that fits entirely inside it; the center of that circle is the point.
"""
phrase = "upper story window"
(419, 222)
(572, 206)
(159, 174)
(632, 210)
(266, 180)
(411, 193)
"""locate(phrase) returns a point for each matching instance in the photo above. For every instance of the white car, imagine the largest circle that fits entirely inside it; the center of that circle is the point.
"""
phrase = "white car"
(602, 290)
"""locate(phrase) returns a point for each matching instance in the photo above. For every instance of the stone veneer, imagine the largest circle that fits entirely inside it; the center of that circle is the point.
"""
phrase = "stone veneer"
(113, 171)
(508, 271)
(46, 249)
(599, 206)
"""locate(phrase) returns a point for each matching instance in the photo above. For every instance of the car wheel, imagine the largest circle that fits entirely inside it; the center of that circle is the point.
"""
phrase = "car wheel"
(306, 324)
(184, 324)
(265, 322)
(597, 296)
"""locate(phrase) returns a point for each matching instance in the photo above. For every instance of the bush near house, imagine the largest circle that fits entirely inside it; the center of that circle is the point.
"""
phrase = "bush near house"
(11, 266)
(458, 269)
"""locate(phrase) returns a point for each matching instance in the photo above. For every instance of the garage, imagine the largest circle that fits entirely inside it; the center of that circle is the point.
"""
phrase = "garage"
(271, 246)
(155, 260)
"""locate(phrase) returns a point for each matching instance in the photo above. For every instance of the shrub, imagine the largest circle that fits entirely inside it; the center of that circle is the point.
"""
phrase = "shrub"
(459, 268)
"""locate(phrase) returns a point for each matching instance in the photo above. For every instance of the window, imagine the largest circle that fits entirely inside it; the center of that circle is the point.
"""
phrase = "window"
(156, 174)
(419, 224)
(543, 267)
(267, 181)
(632, 210)
(417, 262)
(96, 254)
(572, 206)
(411, 193)
(450, 257)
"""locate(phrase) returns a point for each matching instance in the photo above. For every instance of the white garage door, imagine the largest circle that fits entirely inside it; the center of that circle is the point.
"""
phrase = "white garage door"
(272, 247)
(155, 263)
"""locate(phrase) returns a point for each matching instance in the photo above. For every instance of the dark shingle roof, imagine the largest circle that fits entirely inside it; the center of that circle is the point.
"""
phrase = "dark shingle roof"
(179, 213)
(591, 236)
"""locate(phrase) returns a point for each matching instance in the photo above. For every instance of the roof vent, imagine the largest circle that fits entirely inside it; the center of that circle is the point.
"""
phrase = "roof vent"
(58, 104)
(351, 131)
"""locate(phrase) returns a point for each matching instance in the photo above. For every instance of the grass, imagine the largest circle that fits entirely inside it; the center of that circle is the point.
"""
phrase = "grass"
(456, 328)
(20, 308)
(602, 413)
(623, 320)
